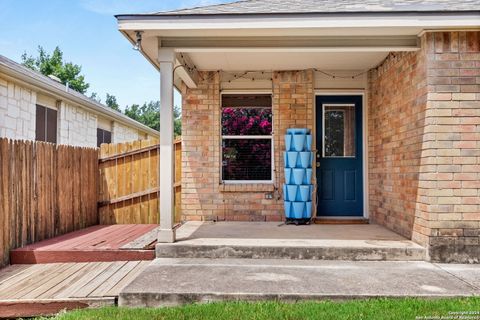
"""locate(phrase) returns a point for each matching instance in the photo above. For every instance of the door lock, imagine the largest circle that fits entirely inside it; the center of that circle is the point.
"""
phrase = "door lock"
(318, 164)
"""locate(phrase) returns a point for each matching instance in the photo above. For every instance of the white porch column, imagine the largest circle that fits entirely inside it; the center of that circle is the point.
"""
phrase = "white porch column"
(166, 57)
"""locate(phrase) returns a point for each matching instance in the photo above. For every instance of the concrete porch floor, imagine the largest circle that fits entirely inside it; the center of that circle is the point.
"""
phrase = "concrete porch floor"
(273, 240)
(277, 230)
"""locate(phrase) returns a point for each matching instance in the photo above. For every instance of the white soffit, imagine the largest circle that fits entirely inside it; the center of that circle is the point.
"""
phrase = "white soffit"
(232, 61)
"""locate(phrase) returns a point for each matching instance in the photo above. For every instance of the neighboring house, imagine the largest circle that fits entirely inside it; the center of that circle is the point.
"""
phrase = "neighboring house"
(400, 79)
(36, 107)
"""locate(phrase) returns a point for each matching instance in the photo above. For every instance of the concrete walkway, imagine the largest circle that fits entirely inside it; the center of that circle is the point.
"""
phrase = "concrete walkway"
(169, 281)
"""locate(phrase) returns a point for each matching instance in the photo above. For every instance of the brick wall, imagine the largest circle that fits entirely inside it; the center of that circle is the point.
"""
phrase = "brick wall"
(122, 133)
(293, 107)
(17, 121)
(397, 101)
(452, 146)
(75, 126)
(204, 197)
(424, 145)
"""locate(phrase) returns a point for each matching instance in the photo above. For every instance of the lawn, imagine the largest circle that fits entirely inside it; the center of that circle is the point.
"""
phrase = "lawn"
(384, 309)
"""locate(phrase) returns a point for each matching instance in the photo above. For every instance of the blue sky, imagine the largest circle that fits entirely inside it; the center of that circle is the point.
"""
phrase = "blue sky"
(86, 31)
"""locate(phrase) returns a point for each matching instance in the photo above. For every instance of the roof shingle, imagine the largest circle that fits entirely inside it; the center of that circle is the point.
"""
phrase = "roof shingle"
(328, 6)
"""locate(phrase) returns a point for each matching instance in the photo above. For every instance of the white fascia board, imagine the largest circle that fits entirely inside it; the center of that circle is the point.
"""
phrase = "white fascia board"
(341, 21)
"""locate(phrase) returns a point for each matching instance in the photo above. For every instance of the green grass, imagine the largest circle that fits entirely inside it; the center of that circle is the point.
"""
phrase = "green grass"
(384, 309)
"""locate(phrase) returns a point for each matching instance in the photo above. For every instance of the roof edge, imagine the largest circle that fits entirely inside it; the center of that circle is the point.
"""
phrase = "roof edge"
(167, 15)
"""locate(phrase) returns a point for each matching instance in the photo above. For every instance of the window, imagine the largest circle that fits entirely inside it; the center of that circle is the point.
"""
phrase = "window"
(46, 124)
(339, 131)
(103, 136)
(247, 138)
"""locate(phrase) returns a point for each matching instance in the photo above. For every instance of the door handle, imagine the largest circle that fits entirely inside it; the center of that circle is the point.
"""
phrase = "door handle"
(318, 164)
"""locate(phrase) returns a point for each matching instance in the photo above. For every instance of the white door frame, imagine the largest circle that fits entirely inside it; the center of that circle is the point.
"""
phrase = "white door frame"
(351, 92)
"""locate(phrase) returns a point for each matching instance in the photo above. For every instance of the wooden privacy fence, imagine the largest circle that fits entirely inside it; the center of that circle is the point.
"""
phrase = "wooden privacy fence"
(45, 190)
(128, 191)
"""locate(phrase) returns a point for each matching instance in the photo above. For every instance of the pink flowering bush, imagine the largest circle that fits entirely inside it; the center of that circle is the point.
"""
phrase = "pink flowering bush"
(246, 121)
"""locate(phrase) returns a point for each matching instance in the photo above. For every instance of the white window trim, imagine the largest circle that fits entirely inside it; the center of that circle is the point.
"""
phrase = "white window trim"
(232, 137)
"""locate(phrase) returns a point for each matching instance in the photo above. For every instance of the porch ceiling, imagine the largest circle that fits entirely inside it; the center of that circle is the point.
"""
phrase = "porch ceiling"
(234, 61)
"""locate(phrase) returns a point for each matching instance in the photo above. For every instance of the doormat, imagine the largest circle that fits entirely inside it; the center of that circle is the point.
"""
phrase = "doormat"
(340, 221)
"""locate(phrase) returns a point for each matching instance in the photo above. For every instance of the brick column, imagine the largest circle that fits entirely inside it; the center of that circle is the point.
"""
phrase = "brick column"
(293, 107)
(451, 148)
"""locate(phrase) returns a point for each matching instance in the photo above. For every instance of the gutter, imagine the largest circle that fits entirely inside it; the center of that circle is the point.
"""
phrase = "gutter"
(73, 97)
(160, 16)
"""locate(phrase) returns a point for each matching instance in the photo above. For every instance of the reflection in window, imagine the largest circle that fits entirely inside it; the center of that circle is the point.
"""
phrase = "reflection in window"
(339, 131)
(246, 121)
(247, 159)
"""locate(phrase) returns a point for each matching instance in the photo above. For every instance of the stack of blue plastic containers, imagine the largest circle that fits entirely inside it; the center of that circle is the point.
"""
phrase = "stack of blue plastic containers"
(298, 188)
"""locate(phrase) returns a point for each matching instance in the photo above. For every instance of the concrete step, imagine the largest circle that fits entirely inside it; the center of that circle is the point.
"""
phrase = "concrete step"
(177, 281)
(305, 249)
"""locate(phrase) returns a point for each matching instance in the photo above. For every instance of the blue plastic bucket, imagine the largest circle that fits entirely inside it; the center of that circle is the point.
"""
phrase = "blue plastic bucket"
(287, 205)
(288, 142)
(297, 131)
(285, 159)
(306, 159)
(298, 175)
(308, 142)
(292, 159)
(307, 179)
(298, 207)
(291, 192)
(304, 192)
(308, 210)
(298, 142)
(288, 175)
(284, 188)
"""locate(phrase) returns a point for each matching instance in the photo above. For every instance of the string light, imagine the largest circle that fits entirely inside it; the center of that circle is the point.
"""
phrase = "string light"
(334, 76)
(245, 74)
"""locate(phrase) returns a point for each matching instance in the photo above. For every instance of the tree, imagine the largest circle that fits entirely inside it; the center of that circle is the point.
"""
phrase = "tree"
(53, 64)
(94, 96)
(177, 121)
(148, 114)
(111, 101)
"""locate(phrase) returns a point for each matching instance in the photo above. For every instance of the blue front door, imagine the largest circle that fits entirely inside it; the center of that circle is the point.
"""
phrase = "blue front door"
(339, 155)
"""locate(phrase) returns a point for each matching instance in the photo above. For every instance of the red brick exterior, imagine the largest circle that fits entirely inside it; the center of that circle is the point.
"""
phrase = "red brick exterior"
(397, 101)
(451, 190)
(204, 197)
(423, 146)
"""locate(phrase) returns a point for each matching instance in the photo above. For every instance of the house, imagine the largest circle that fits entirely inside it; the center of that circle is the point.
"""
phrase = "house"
(36, 107)
(397, 83)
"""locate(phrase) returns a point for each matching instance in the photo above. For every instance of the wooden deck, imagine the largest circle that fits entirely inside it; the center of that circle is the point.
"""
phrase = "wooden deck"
(101, 243)
(44, 289)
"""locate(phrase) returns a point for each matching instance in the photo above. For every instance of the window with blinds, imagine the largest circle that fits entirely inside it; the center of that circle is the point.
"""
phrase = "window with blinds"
(46, 124)
(103, 136)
